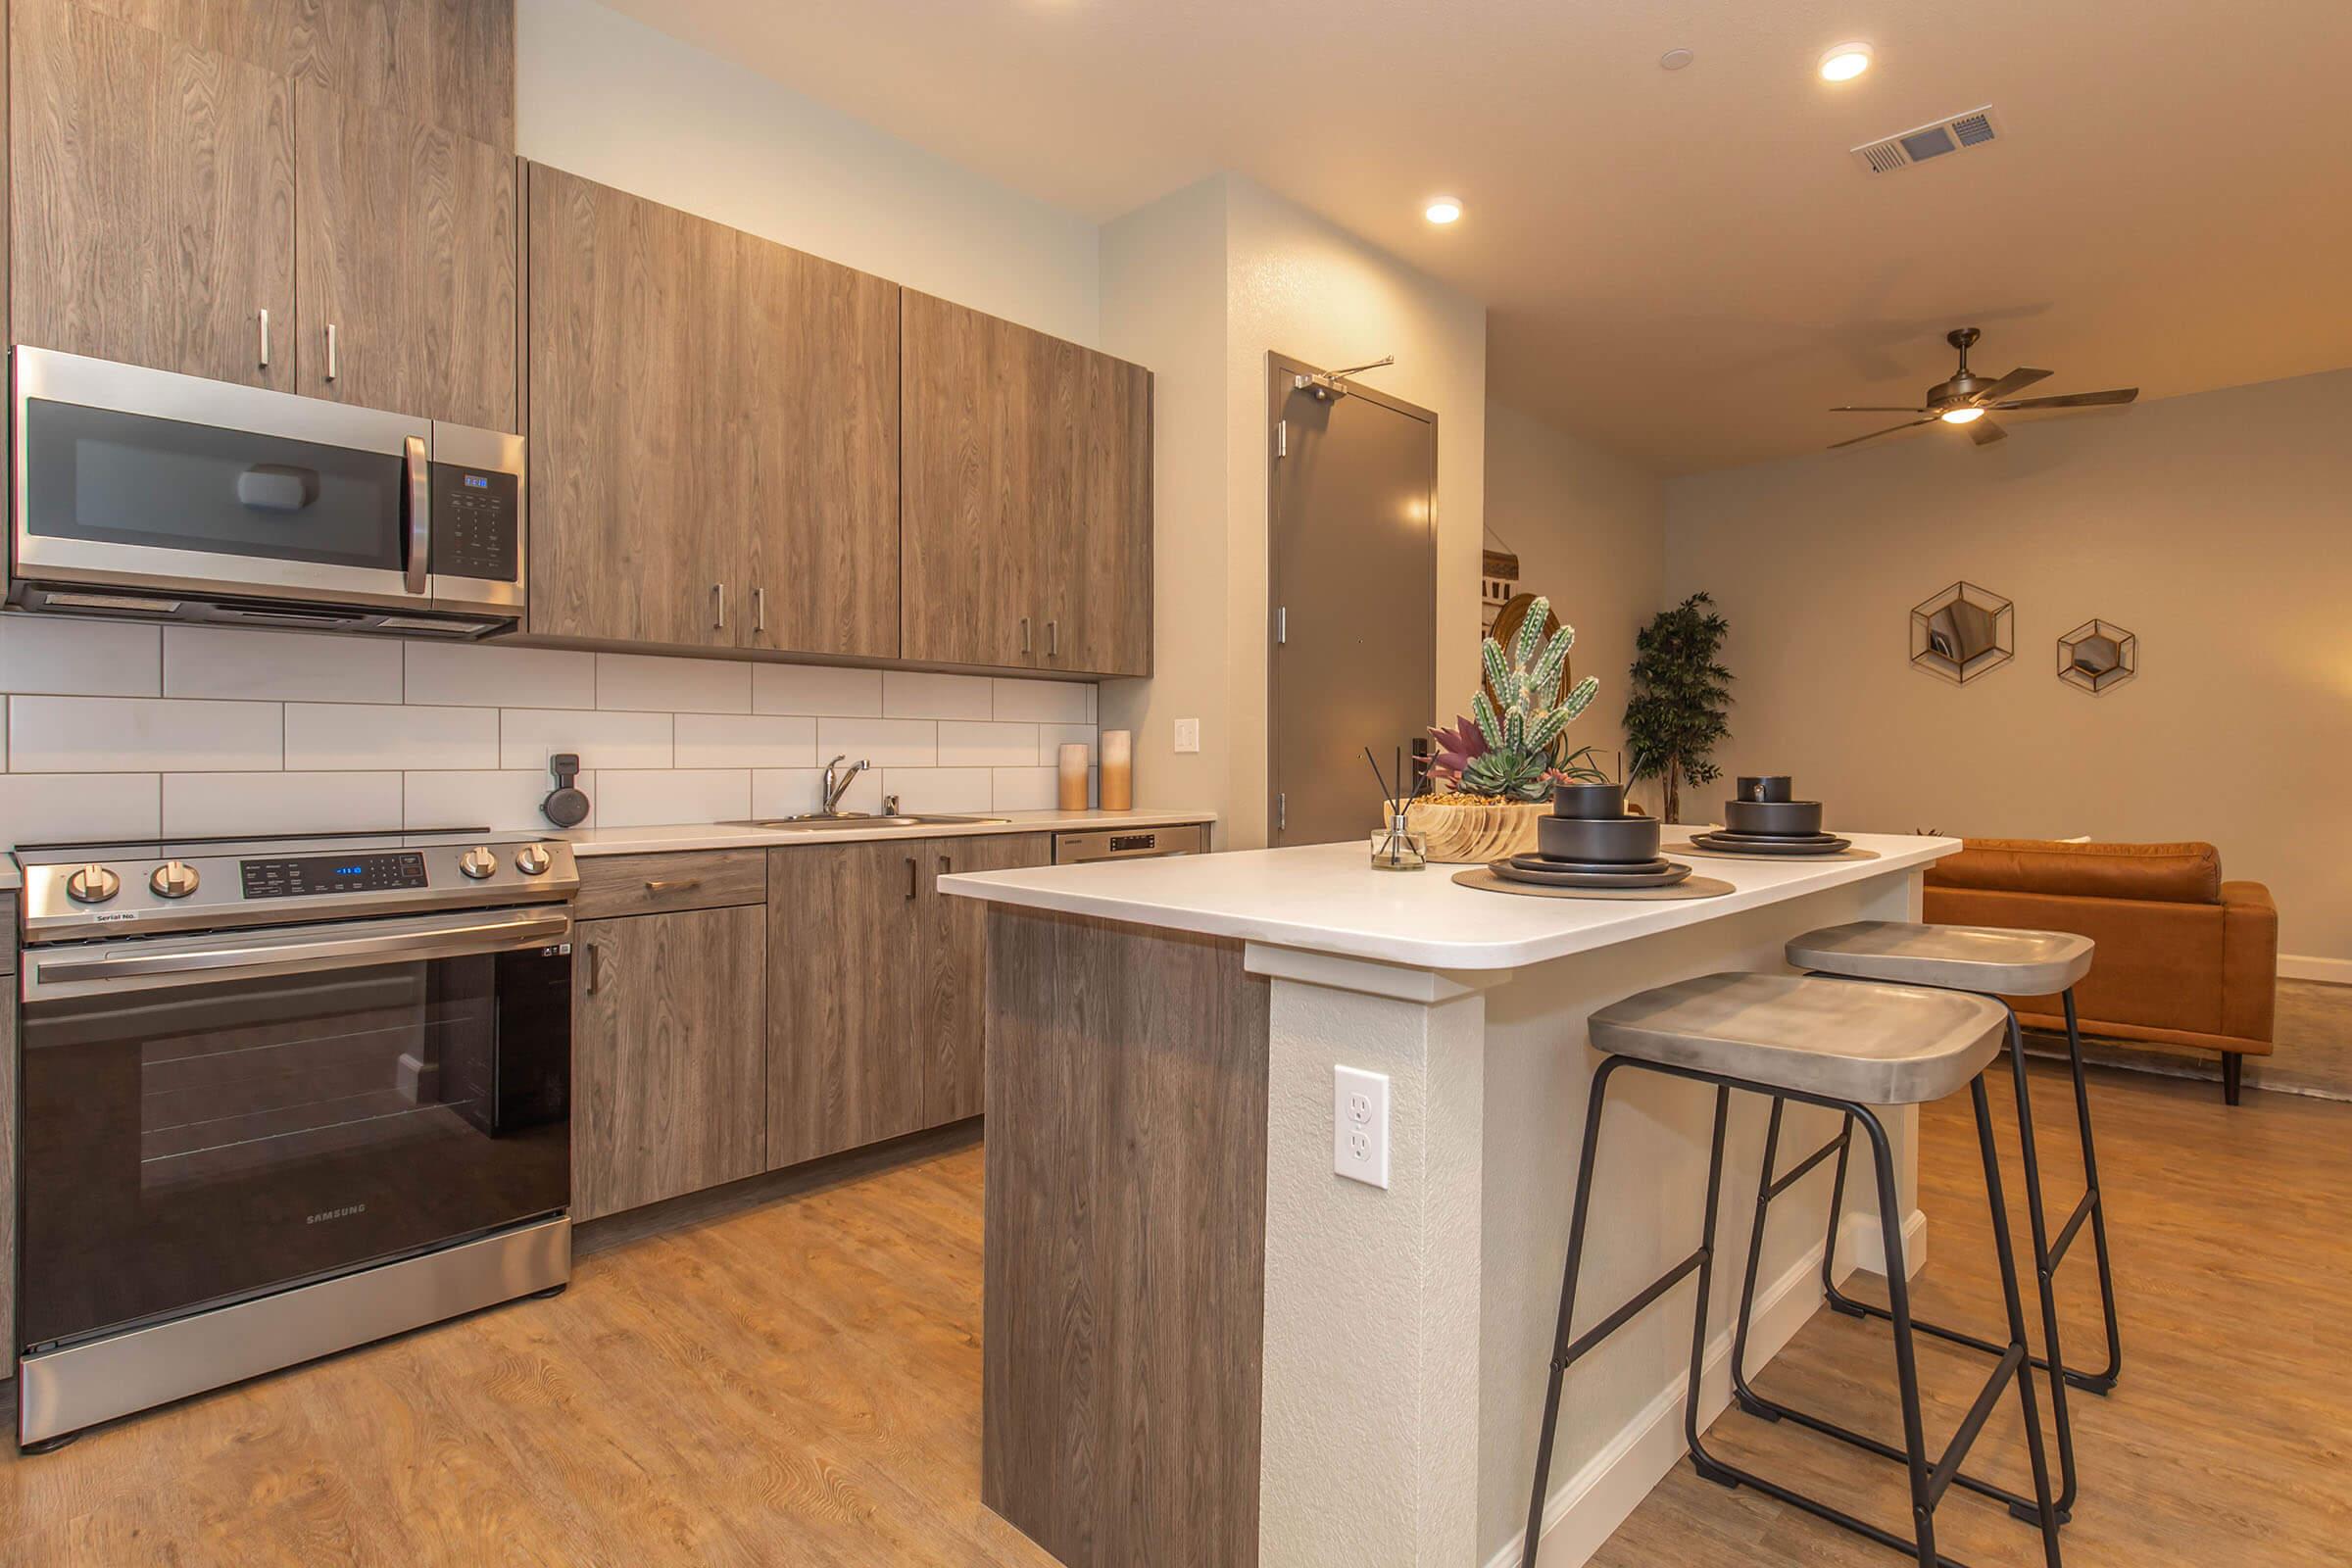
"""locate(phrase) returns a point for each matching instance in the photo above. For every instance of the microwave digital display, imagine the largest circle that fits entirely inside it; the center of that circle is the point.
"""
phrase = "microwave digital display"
(478, 523)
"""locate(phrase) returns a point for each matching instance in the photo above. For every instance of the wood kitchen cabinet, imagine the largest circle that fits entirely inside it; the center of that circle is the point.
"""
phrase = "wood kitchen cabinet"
(1025, 473)
(875, 975)
(717, 420)
(668, 1054)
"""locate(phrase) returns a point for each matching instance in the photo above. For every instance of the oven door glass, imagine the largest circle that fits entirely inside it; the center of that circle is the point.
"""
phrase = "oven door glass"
(103, 476)
(189, 1145)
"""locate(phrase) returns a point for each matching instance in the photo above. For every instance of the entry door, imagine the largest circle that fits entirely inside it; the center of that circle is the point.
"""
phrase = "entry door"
(1353, 602)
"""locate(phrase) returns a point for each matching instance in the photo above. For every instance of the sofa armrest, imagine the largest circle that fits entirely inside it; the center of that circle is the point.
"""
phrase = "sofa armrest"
(2249, 961)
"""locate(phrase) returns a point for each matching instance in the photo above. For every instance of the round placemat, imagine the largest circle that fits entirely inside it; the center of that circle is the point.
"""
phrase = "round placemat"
(1847, 854)
(1696, 887)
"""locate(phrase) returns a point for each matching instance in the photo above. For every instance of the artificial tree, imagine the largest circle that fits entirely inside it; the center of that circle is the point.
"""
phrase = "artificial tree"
(1679, 690)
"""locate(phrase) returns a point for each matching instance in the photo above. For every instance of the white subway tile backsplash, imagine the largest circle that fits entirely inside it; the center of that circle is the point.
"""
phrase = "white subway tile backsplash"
(964, 743)
(648, 683)
(788, 791)
(507, 802)
(60, 807)
(911, 694)
(80, 658)
(818, 690)
(337, 735)
(1041, 701)
(293, 667)
(630, 799)
(1094, 697)
(197, 803)
(743, 740)
(882, 741)
(1023, 789)
(134, 734)
(528, 737)
(493, 675)
(940, 789)
(1052, 738)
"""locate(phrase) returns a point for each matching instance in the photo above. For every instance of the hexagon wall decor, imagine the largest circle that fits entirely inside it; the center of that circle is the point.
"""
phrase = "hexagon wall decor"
(1962, 632)
(2096, 656)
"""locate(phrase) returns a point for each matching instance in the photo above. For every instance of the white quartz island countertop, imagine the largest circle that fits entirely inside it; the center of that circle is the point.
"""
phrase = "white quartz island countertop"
(1326, 898)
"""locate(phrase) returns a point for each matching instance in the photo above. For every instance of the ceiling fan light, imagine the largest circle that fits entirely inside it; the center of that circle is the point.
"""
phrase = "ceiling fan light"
(1962, 416)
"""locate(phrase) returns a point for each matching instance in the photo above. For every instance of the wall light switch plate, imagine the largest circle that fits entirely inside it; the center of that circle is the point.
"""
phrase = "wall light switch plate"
(1188, 735)
(1360, 1125)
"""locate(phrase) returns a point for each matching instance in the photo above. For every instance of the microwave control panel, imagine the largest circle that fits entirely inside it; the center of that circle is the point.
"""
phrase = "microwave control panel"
(477, 522)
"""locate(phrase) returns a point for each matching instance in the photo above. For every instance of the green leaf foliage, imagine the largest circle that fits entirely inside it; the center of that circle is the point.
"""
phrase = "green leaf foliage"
(1675, 716)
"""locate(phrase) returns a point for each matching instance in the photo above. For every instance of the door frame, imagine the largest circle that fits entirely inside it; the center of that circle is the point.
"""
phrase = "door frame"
(1281, 373)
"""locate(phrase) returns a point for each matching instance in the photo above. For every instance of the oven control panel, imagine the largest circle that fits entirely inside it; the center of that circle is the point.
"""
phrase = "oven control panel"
(331, 873)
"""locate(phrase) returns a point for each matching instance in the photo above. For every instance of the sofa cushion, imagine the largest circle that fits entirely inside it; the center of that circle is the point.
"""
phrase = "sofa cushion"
(2165, 873)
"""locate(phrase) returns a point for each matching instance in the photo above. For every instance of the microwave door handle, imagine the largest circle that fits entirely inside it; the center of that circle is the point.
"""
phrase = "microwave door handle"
(420, 493)
(136, 972)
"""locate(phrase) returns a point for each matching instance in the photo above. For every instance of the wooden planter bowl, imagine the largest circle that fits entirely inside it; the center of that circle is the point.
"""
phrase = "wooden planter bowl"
(1472, 835)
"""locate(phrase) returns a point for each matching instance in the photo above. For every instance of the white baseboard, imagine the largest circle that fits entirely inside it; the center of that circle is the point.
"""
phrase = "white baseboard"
(1585, 1509)
(2332, 971)
(1861, 1246)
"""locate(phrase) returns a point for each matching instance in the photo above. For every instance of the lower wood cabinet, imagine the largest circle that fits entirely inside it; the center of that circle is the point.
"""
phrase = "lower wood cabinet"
(667, 1057)
(874, 977)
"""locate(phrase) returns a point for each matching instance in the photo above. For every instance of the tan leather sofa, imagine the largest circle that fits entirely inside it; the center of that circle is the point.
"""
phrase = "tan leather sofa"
(2184, 958)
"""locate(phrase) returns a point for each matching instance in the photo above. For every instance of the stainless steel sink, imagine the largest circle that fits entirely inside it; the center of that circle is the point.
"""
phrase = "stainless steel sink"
(818, 821)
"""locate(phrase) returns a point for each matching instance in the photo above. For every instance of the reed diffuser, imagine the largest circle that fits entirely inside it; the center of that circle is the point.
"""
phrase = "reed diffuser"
(1396, 846)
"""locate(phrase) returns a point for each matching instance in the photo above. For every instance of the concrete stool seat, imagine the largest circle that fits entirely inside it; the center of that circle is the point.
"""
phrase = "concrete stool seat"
(1955, 958)
(1882, 1045)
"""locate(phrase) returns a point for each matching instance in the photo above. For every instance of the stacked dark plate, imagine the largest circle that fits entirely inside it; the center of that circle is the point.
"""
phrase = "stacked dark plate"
(1589, 842)
(1764, 820)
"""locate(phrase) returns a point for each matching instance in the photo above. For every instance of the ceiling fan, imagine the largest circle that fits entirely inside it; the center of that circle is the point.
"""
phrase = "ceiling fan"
(1968, 398)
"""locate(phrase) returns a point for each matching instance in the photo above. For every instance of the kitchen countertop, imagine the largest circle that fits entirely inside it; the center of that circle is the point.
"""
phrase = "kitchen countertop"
(1326, 898)
(586, 841)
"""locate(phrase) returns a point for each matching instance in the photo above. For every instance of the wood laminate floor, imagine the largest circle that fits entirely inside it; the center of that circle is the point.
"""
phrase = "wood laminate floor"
(791, 1377)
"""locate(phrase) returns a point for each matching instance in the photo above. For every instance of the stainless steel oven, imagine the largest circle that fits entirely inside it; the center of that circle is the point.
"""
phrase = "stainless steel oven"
(140, 492)
(281, 1097)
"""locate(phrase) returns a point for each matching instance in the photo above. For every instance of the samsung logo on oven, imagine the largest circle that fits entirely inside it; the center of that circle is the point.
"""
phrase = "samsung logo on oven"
(345, 1212)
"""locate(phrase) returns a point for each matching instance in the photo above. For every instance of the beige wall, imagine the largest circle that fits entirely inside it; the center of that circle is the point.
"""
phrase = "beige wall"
(2216, 527)
(1284, 282)
(1589, 528)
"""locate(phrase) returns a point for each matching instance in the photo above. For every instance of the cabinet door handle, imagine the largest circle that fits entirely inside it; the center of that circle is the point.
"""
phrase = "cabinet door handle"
(596, 967)
(265, 337)
(1053, 639)
(947, 866)
(760, 609)
(684, 884)
(718, 605)
(1024, 634)
(912, 875)
(331, 364)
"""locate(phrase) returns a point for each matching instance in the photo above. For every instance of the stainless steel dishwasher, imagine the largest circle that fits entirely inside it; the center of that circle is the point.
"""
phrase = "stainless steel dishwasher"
(1130, 842)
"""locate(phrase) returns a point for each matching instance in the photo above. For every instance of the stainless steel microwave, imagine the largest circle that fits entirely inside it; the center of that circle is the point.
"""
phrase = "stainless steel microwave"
(140, 492)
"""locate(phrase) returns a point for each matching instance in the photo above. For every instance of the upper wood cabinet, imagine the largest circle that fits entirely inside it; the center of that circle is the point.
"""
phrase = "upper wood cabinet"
(151, 198)
(713, 431)
(406, 264)
(1026, 477)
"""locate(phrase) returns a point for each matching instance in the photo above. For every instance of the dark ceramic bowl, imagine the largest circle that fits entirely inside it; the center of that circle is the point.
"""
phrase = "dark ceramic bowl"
(1597, 839)
(1587, 800)
(1781, 818)
(1766, 787)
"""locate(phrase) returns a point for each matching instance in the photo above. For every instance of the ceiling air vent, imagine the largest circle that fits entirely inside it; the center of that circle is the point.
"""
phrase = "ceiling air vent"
(1974, 128)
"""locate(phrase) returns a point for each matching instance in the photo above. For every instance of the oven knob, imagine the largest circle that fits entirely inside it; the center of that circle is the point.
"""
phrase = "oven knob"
(173, 879)
(92, 884)
(531, 860)
(477, 863)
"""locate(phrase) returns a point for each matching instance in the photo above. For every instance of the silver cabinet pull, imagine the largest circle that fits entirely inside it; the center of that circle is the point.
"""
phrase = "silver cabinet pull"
(718, 605)
(265, 337)
(332, 367)
(1024, 634)
(1053, 639)
(914, 876)
(760, 609)
(685, 884)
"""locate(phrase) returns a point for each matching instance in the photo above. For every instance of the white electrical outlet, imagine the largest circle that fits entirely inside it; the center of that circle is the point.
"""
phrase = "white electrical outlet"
(1188, 735)
(1360, 1125)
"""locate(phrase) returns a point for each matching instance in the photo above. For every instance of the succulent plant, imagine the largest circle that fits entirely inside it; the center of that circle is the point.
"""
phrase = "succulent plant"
(1510, 745)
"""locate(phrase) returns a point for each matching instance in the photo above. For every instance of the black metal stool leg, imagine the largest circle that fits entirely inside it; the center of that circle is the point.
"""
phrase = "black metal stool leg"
(2045, 1277)
(2101, 1382)
(1699, 1461)
(1740, 1391)
(2015, 1359)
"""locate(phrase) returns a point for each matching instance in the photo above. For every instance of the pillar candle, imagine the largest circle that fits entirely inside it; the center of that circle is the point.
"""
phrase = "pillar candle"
(1072, 778)
(1118, 770)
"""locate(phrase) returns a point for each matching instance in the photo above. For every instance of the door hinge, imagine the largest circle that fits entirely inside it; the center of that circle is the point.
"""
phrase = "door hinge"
(1282, 624)
(1282, 812)
(1282, 438)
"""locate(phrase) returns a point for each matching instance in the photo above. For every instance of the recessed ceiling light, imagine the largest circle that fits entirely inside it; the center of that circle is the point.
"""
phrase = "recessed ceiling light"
(1845, 62)
(1442, 210)
(1674, 59)
(1962, 416)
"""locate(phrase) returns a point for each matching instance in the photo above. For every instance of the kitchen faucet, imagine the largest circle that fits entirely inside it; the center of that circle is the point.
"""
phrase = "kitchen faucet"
(837, 784)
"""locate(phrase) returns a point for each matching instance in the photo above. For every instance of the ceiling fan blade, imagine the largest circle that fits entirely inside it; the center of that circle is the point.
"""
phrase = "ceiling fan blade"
(1984, 432)
(1874, 407)
(2016, 380)
(2075, 400)
(1889, 430)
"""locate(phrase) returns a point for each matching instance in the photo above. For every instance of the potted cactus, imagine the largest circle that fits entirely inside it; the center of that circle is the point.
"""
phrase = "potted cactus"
(1495, 768)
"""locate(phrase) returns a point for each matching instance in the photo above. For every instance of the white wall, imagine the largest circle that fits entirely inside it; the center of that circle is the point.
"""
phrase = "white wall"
(607, 98)
(2215, 526)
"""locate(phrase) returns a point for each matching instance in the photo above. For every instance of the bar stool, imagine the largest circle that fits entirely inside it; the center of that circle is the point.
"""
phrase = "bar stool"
(1848, 1046)
(1993, 962)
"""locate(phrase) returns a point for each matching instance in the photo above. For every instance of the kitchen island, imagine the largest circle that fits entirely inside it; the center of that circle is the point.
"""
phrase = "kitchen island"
(1203, 1345)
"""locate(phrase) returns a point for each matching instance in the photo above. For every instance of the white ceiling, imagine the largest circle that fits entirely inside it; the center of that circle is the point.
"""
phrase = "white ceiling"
(1688, 265)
